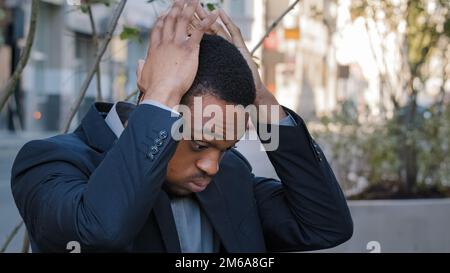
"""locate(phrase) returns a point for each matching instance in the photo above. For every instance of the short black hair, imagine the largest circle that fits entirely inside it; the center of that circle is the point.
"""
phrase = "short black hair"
(222, 72)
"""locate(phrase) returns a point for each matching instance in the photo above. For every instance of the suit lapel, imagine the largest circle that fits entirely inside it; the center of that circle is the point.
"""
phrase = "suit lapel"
(166, 223)
(97, 133)
(213, 203)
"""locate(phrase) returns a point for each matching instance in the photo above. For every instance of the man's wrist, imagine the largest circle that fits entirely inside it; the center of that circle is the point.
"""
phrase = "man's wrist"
(164, 97)
(269, 110)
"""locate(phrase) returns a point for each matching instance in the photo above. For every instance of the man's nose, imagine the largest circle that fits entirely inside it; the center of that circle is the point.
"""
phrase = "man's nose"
(208, 165)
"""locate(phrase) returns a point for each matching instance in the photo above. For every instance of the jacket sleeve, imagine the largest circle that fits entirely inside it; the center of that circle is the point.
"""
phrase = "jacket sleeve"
(306, 210)
(60, 201)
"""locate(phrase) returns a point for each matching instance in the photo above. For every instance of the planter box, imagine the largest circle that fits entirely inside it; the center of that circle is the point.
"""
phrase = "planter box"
(417, 225)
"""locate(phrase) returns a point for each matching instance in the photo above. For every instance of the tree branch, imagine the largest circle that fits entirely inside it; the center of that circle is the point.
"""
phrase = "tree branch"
(95, 41)
(11, 236)
(131, 95)
(12, 82)
(84, 87)
(274, 25)
(26, 242)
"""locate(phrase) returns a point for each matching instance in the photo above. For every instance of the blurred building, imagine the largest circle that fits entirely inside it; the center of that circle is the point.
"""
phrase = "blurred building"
(300, 58)
(314, 60)
(63, 52)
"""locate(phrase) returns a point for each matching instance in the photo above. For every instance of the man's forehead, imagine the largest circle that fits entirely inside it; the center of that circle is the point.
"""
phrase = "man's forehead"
(208, 118)
(208, 103)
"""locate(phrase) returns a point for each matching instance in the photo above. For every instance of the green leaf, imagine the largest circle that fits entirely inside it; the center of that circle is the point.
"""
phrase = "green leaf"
(210, 6)
(130, 33)
(84, 8)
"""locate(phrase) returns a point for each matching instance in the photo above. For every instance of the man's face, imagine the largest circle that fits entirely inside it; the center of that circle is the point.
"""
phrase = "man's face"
(196, 160)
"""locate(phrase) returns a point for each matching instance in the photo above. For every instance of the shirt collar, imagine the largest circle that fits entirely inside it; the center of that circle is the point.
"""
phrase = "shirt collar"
(113, 121)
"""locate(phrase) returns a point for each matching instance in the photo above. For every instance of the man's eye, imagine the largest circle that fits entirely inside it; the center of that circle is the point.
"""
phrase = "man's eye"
(200, 147)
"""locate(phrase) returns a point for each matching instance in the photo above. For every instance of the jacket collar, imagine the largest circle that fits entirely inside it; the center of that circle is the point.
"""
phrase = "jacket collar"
(214, 205)
(98, 135)
(213, 202)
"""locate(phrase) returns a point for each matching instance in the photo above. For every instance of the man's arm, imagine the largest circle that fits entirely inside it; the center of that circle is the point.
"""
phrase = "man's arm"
(307, 209)
(60, 202)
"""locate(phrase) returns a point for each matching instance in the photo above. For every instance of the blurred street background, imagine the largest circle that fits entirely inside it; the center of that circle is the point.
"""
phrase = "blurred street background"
(370, 78)
(9, 146)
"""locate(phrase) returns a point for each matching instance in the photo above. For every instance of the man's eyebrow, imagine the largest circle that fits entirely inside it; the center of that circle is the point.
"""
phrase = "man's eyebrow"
(215, 146)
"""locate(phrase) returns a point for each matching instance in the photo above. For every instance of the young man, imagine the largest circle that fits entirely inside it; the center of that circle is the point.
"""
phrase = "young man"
(122, 182)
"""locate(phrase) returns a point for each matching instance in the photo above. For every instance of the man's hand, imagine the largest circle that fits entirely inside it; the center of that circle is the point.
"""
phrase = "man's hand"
(172, 59)
(232, 33)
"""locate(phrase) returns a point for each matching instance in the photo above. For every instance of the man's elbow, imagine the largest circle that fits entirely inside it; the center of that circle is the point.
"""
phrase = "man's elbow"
(114, 240)
(344, 231)
(341, 233)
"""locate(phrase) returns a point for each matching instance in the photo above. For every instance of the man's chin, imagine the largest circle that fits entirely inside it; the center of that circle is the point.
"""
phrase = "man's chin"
(176, 190)
(188, 189)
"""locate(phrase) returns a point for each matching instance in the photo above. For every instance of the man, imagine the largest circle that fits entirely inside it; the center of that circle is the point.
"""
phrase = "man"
(121, 182)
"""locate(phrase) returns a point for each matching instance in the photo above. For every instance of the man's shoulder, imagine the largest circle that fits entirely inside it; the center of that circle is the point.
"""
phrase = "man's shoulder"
(66, 147)
(65, 142)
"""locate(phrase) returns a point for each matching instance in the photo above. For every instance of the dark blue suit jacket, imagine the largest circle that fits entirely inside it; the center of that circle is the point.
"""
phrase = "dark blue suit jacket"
(106, 193)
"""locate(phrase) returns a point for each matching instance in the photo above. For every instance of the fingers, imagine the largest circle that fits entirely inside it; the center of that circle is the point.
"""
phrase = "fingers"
(139, 69)
(183, 22)
(156, 33)
(205, 24)
(171, 18)
(216, 28)
(180, 20)
(196, 23)
(200, 12)
(235, 32)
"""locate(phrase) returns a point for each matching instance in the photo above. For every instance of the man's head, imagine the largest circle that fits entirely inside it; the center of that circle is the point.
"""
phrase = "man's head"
(223, 78)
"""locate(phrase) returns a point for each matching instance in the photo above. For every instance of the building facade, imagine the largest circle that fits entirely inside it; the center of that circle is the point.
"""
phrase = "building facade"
(63, 52)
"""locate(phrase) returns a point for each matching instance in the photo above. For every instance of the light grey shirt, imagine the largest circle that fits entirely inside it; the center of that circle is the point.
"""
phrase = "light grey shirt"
(195, 232)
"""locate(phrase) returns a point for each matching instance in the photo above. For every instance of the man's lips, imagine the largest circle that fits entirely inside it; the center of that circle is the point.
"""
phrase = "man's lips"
(199, 185)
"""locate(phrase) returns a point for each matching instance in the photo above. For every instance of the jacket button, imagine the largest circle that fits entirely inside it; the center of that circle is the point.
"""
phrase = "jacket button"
(158, 142)
(163, 134)
(154, 150)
